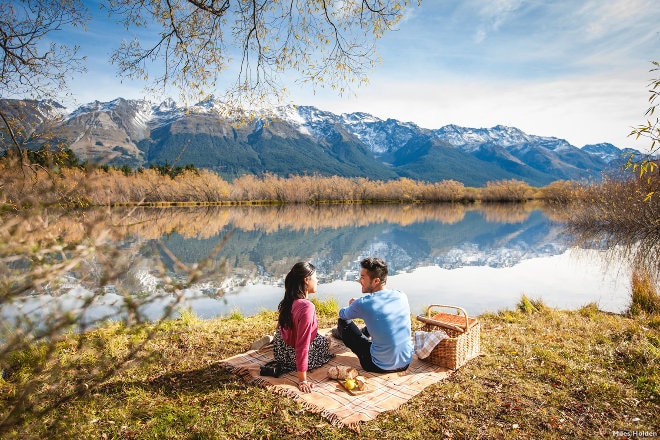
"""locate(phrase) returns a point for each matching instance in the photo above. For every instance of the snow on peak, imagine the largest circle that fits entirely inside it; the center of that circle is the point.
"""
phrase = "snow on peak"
(470, 139)
(292, 115)
(608, 152)
(380, 136)
(207, 104)
(212, 104)
(359, 118)
(166, 106)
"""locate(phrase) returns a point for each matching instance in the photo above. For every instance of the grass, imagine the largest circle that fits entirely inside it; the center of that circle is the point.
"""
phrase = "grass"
(645, 298)
(544, 373)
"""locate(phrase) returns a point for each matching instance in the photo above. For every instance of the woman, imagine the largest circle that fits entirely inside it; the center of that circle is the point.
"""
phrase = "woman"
(297, 344)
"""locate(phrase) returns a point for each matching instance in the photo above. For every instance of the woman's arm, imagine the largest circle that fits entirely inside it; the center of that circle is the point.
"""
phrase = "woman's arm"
(306, 327)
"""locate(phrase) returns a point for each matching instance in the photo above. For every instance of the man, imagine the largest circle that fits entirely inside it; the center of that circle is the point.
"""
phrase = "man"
(385, 346)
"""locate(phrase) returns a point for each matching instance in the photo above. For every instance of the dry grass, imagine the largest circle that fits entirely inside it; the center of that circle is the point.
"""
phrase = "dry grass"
(544, 374)
(76, 187)
(645, 298)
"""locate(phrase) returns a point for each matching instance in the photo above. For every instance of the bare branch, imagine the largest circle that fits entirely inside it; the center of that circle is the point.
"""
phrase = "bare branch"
(322, 43)
(210, 8)
(30, 67)
(10, 129)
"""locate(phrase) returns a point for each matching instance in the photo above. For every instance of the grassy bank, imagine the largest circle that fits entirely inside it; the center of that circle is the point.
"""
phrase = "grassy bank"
(544, 374)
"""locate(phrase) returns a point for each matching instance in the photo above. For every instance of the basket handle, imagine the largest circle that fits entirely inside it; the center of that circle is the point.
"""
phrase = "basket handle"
(460, 310)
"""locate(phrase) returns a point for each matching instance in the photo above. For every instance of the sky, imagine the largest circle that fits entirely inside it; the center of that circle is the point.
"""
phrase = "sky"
(573, 69)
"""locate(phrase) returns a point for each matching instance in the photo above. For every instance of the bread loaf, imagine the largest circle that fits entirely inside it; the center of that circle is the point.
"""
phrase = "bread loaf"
(342, 372)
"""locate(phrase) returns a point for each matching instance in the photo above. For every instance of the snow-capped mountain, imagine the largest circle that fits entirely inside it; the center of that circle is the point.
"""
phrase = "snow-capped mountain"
(31, 118)
(307, 140)
(470, 139)
(609, 153)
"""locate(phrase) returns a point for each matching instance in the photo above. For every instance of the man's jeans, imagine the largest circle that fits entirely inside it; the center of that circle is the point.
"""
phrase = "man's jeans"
(360, 344)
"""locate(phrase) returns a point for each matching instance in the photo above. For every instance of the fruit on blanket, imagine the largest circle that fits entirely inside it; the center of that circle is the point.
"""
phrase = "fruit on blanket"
(350, 384)
(342, 372)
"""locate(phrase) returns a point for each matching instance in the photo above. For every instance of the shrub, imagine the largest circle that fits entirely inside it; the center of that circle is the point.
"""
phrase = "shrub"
(506, 191)
(645, 298)
(528, 306)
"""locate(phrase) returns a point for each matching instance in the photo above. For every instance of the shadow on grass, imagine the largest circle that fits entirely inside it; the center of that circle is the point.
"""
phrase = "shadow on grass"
(202, 380)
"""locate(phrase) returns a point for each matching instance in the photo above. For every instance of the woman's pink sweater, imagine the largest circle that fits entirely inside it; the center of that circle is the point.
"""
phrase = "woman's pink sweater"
(305, 327)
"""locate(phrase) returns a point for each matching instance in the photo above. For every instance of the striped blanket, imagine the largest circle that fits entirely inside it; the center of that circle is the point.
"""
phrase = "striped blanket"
(386, 392)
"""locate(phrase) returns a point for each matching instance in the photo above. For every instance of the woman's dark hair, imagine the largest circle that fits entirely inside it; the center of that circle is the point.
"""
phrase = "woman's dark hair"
(376, 267)
(294, 288)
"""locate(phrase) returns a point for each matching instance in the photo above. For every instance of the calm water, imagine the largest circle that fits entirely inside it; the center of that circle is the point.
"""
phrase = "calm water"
(482, 259)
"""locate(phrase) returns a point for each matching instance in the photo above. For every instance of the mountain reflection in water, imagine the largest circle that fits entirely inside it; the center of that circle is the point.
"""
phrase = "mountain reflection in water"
(482, 258)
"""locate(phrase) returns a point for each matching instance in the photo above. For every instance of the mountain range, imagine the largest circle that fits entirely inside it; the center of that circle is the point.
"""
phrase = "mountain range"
(297, 140)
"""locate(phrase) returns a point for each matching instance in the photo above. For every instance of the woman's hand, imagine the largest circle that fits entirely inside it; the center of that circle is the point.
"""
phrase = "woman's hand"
(305, 386)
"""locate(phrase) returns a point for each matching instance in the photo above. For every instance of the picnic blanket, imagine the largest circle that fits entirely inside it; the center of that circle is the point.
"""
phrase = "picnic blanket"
(386, 392)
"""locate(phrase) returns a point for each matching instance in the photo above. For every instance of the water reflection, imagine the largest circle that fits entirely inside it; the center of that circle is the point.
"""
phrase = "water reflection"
(267, 241)
(483, 257)
(640, 248)
(480, 257)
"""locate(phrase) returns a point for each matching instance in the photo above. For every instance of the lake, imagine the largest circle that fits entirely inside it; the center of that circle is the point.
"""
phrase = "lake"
(482, 258)
(479, 257)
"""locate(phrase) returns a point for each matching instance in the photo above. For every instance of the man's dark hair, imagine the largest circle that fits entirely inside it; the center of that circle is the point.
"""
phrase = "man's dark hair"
(376, 267)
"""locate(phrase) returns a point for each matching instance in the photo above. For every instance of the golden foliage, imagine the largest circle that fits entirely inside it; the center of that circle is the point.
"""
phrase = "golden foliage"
(74, 187)
(618, 204)
(506, 191)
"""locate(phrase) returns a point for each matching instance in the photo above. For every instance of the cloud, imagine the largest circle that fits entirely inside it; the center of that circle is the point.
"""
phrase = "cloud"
(493, 14)
(607, 18)
(581, 109)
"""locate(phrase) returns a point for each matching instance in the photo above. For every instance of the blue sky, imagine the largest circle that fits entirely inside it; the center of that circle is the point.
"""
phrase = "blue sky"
(573, 69)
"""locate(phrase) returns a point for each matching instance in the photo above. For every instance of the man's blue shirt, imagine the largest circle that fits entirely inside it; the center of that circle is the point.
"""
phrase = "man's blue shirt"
(386, 314)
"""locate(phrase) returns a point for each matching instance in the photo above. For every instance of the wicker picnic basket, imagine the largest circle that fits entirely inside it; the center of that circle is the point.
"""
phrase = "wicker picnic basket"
(463, 331)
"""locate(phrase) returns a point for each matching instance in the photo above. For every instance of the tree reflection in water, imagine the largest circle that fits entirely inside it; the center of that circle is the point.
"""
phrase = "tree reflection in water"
(261, 243)
(639, 250)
